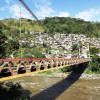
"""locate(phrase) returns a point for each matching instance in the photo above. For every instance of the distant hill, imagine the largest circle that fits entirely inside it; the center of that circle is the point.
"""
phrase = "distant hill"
(65, 25)
(69, 25)
(26, 24)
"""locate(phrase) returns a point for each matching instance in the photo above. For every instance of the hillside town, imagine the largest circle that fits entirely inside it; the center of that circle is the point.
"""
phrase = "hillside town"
(59, 41)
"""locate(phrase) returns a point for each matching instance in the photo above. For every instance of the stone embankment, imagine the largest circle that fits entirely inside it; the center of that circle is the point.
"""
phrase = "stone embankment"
(64, 75)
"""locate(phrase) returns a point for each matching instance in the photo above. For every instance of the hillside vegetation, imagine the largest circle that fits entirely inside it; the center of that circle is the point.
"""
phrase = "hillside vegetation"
(65, 25)
(26, 24)
(72, 26)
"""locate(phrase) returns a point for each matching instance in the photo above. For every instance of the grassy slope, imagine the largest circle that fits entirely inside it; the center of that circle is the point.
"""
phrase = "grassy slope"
(15, 24)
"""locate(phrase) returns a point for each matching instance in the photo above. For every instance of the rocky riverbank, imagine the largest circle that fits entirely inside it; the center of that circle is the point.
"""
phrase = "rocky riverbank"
(90, 76)
(64, 75)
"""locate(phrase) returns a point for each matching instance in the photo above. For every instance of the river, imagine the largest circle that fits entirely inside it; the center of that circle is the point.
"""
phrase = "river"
(47, 88)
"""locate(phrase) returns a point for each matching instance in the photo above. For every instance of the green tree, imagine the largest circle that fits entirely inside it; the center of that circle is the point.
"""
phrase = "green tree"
(3, 45)
(94, 50)
(74, 47)
(94, 65)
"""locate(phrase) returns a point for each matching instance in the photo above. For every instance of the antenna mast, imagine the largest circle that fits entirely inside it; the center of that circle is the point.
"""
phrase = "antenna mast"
(20, 33)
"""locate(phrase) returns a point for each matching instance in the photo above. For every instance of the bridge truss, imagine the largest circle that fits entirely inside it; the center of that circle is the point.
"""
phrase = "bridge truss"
(21, 67)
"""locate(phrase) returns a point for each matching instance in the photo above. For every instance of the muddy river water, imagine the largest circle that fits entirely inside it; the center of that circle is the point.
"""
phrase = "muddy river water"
(47, 88)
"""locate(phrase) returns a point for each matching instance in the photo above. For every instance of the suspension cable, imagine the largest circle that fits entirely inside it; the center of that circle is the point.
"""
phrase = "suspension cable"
(33, 14)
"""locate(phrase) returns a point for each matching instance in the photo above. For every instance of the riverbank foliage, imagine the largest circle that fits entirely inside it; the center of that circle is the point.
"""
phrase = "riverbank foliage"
(94, 65)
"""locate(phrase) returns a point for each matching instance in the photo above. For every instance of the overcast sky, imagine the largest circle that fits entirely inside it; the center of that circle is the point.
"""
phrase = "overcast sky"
(88, 10)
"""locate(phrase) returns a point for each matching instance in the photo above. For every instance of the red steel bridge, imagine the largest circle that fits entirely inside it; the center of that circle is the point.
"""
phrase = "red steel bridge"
(13, 68)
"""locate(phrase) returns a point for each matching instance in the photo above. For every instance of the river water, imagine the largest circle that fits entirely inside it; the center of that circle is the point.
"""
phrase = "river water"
(47, 88)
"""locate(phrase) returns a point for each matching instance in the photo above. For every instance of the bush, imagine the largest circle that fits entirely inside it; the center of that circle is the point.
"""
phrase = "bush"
(94, 65)
(68, 69)
(11, 91)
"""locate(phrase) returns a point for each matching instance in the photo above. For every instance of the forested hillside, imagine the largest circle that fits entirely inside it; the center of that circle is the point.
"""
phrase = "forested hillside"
(72, 26)
(65, 25)
(7, 46)
(26, 24)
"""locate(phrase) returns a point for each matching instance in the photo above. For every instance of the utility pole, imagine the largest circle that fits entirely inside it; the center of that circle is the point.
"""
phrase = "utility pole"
(79, 48)
(89, 49)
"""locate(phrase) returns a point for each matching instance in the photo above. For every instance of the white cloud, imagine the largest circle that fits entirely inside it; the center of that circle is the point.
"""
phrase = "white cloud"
(41, 3)
(2, 8)
(63, 14)
(87, 15)
(8, 1)
(44, 12)
(43, 8)
(15, 10)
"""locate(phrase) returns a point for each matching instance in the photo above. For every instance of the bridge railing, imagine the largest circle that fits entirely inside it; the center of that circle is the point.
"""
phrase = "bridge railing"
(17, 66)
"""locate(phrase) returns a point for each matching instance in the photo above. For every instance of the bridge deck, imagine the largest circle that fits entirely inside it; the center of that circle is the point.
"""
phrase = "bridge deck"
(13, 68)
